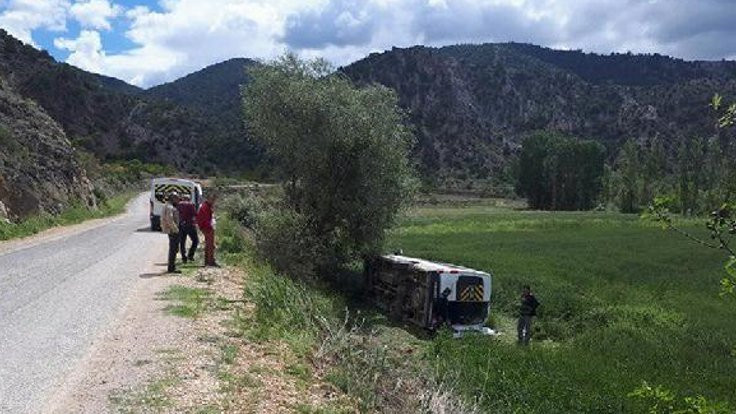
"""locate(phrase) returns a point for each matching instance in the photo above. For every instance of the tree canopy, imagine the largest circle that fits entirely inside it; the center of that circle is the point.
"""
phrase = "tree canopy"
(341, 151)
(557, 172)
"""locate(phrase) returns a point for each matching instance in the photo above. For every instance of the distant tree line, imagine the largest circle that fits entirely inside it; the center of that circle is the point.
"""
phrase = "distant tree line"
(694, 175)
(558, 172)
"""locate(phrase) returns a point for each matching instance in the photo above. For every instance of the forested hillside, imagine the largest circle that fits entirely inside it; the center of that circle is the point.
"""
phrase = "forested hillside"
(107, 116)
(472, 104)
(214, 93)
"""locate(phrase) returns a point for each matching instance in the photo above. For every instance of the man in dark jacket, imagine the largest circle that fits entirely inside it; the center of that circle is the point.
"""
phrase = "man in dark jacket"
(187, 228)
(527, 311)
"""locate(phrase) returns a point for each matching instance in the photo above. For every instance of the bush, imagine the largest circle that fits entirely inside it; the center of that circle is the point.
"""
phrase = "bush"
(283, 238)
(246, 209)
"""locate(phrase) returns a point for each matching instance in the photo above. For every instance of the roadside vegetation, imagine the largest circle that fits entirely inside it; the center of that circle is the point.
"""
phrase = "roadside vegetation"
(631, 320)
(343, 160)
(115, 184)
(332, 335)
(73, 215)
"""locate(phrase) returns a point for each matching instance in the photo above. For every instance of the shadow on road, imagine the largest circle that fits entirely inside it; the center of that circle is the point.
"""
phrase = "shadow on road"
(145, 230)
(152, 275)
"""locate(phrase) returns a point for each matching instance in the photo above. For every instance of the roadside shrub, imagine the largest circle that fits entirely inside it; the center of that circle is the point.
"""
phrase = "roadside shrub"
(285, 305)
(283, 238)
(232, 238)
(659, 400)
(246, 209)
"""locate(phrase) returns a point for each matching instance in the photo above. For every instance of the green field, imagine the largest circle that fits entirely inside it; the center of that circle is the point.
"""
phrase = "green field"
(622, 302)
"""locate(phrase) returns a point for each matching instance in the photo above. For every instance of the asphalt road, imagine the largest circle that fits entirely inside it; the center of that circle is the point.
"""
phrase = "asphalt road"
(58, 295)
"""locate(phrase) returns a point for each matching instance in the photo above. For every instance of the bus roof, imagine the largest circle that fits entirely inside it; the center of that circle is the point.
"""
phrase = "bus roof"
(428, 266)
(173, 180)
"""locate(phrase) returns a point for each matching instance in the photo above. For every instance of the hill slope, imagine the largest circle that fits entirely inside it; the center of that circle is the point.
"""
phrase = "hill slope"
(39, 170)
(472, 104)
(214, 93)
(104, 115)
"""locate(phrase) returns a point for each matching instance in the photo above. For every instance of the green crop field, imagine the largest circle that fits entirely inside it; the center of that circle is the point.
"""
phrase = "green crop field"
(623, 302)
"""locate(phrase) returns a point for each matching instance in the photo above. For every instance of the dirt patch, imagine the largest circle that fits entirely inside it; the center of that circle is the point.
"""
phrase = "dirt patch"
(124, 356)
(224, 372)
(197, 362)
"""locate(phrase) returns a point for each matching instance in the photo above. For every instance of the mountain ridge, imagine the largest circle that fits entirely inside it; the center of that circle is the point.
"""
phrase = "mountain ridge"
(470, 105)
(473, 104)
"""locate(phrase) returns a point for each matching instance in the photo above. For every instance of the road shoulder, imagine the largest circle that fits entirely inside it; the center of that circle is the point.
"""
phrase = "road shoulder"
(178, 348)
(60, 232)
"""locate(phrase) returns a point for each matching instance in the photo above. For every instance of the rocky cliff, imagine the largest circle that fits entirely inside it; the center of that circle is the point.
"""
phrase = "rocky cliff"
(39, 171)
(473, 104)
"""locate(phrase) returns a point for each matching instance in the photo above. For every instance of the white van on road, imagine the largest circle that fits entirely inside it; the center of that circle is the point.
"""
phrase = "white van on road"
(162, 187)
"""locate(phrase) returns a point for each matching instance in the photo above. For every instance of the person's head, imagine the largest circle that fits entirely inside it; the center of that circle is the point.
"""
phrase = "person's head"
(526, 290)
(174, 197)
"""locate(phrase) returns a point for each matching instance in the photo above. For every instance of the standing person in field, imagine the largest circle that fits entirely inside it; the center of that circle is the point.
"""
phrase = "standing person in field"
(205, 221)
(170, 226)
(187, 228)
(527, 311)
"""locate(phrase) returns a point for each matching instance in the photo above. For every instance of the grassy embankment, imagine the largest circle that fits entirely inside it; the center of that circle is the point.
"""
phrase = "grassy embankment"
(73, 215)
(623, 302)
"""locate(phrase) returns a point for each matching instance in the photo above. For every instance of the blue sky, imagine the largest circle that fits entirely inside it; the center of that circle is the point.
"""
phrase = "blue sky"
(147, 42)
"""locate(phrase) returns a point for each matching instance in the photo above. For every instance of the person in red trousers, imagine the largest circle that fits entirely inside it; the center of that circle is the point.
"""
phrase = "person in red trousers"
(206, 221)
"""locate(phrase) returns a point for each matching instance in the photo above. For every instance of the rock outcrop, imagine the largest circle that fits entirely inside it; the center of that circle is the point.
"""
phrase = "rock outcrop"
(39, 171)
(473, 104)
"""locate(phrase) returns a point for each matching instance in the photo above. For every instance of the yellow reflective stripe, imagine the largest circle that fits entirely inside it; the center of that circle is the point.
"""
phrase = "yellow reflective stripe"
(472, 294)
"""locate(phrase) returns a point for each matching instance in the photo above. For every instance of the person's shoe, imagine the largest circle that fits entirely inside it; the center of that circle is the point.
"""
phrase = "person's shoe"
(184, 260)
(190, 258)
(175, 271)
(213, 265)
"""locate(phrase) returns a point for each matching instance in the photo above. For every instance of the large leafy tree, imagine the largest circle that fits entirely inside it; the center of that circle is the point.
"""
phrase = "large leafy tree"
(341, 152)
(557, 172)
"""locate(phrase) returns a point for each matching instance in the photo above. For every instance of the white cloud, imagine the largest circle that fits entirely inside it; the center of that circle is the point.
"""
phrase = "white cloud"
(21, 17)
(134, 66)
(95, 14)
(86, 51)
(185, 35)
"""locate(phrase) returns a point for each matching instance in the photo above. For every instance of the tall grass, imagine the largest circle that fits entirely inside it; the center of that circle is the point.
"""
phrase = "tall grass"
(622, 302)
(72, 215)
(325, 330)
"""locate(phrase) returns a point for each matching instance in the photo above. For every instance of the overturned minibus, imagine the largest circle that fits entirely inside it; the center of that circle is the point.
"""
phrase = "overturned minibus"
(429, 294)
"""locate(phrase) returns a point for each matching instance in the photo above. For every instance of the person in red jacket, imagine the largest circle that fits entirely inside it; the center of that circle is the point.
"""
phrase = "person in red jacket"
(206, 221)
